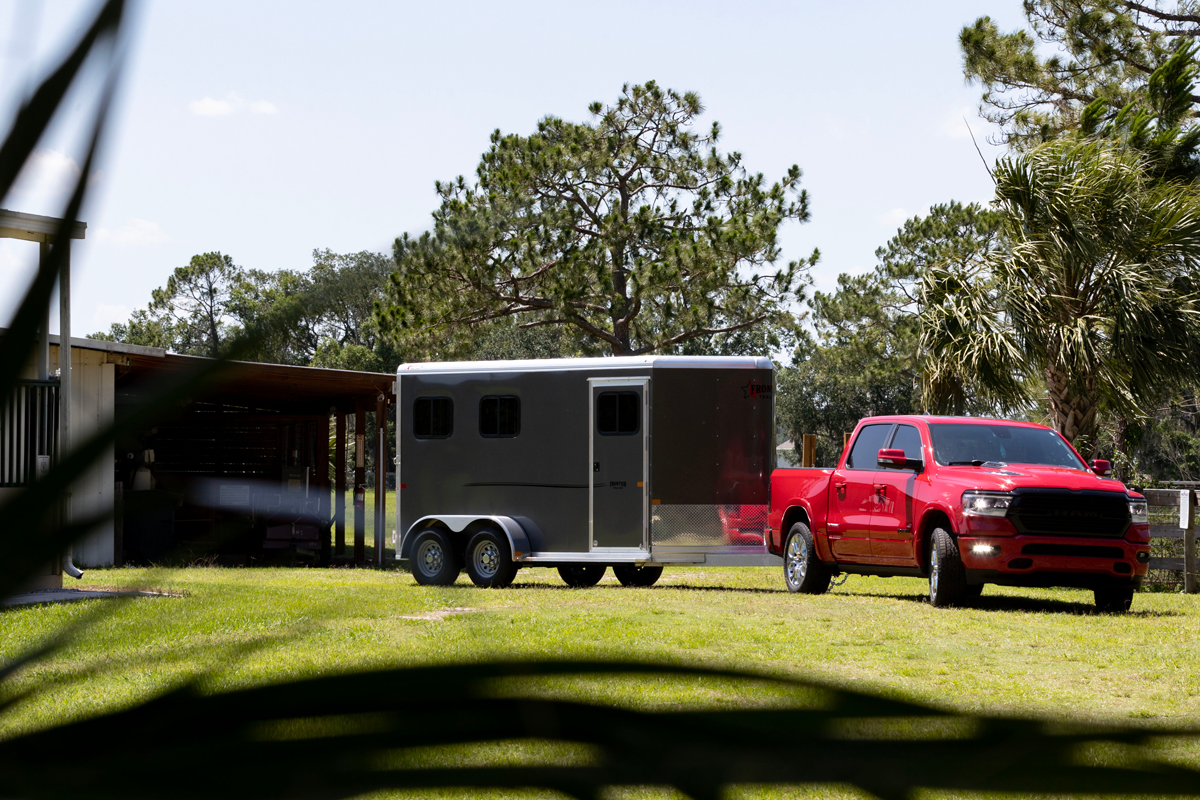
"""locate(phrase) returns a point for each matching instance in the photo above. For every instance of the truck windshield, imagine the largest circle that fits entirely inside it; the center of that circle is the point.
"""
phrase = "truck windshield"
(1004, 444)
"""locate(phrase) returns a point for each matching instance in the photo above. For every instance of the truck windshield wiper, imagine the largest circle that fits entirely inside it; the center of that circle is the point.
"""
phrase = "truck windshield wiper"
(976, 463)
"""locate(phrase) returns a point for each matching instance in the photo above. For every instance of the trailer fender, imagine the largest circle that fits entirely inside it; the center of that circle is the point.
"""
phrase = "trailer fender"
(518, 542)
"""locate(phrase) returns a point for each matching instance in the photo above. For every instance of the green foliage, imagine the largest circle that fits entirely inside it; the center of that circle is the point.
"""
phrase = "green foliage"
(1094, 295)
(1102, 51)
(865, 357)
(198, 300)
(632, 229)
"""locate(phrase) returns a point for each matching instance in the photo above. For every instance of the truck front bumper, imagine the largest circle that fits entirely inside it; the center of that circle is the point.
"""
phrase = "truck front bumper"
(1053, 560)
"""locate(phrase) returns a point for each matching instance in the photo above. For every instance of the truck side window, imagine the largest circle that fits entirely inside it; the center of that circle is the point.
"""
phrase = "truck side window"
(499, 416)
(865, 452)
(433, 417)
(908, 439)
(617, 413)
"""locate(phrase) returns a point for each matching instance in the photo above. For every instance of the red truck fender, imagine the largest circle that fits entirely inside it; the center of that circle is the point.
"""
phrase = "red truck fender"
(799, 510)
(933, 515)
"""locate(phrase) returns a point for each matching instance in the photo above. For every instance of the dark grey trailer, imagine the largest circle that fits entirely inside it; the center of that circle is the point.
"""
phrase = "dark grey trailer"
(582, 464)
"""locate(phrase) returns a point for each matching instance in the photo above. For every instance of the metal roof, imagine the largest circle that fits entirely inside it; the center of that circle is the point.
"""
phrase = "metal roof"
(602, 363)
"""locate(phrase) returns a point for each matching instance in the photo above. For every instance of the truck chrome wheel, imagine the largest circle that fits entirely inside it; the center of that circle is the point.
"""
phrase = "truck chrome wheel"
(434, 561)
(947, 577)
(489, 560)
(797, 560)
(803, 572)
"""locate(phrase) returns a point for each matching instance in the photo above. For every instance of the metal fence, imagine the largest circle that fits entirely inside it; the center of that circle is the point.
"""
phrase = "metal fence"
(28, 431)
(1173, 537)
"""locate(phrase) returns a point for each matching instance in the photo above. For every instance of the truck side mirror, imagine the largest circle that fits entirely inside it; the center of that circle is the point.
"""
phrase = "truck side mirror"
(1102, 467)
(892, 459)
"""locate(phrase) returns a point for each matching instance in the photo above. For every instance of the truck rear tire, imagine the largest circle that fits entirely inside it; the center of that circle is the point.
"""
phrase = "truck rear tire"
(434, 562)
(947, 578)
(633, 575)
(489, 560)
(1113, 599)
(803, 572)
(581, 576)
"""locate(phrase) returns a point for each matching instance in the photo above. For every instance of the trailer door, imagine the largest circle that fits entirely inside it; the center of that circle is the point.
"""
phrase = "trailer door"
(619, 462)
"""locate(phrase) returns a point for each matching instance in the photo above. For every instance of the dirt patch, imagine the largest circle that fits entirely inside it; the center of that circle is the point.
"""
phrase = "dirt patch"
(439, 615)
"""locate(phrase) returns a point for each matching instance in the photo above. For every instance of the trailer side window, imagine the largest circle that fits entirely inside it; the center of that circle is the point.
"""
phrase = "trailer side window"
(433, 417)
(617, 413)
(499, 417)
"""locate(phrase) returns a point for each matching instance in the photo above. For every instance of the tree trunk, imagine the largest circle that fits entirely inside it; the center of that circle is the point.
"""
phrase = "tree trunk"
(1073, 414)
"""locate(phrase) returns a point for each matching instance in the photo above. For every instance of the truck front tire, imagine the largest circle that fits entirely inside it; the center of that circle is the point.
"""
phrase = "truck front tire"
(947, 578)
(803, 572)
(581, 576)
(1113, 599)
(434, 562)
(489, 560)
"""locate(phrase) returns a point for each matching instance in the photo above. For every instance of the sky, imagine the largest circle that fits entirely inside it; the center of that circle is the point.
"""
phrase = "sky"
(266, 130)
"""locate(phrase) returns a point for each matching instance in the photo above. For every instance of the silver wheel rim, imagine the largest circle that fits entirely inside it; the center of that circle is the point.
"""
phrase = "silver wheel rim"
(797, 560)
(430, 557)
(487, 559)
(934, 569)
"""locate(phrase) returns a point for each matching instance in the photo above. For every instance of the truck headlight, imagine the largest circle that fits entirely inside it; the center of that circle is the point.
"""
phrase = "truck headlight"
(1138, 511)
(984, 504)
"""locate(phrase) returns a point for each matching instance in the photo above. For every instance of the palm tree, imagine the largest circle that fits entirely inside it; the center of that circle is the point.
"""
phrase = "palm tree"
(1094, 294)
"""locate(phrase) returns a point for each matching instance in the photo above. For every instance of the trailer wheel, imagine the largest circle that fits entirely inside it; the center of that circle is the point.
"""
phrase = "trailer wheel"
(803, 572)
(434, 562)
(581, 576)
(633, 575)
(1114, 599)
(489, 560)
(947, 578)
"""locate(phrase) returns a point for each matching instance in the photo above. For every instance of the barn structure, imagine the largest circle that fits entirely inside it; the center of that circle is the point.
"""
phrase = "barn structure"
(255, 463)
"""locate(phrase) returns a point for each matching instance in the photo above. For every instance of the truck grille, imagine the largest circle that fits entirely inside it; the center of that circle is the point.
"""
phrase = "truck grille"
(1070, 513)
(1073, 550)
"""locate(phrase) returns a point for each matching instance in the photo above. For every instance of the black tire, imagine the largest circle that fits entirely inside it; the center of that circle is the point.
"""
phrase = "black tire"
(1113, 599)
(633, 575)
(581, 576)
(947, 578)
(489, 560)
(433, 560)
(803, 572)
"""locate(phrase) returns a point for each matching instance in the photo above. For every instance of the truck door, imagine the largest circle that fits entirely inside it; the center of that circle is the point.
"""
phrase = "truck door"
(619, 462)
(852, 495)
(892, 522)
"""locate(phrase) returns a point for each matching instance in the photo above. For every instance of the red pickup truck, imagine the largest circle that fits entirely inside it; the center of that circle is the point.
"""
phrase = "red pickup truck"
(963, 502)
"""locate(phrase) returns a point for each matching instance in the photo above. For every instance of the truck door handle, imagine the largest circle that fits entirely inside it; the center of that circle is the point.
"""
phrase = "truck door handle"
(840, 488)
(881, 489)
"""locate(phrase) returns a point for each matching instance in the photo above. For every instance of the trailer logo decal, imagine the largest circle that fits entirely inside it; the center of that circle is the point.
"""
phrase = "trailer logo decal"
(753, 389)
(616, 484)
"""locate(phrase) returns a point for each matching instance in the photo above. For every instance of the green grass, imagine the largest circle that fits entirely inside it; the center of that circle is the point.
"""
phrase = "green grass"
(1039, 652)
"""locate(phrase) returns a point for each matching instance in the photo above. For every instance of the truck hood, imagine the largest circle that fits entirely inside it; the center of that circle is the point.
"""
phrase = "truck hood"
(1019, 476)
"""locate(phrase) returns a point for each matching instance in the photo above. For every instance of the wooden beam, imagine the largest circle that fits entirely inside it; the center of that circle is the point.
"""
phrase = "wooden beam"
(360, 481)
(339, 493)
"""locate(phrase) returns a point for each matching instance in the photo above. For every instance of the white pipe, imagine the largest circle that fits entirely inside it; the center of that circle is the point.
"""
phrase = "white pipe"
(64, 389)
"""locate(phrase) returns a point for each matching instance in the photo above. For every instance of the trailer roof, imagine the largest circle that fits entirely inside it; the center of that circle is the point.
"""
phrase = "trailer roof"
(567, 364)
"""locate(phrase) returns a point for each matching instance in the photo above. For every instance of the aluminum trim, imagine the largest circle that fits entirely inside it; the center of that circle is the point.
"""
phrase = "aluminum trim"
(591, 364)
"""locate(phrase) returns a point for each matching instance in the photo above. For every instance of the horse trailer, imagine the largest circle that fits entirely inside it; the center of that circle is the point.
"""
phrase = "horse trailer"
(583, 464)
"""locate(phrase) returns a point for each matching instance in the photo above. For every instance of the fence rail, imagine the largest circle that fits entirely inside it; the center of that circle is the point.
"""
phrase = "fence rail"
(1184, 500)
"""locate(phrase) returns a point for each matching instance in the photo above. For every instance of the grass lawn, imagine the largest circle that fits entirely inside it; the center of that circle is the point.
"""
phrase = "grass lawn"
(1033, 651)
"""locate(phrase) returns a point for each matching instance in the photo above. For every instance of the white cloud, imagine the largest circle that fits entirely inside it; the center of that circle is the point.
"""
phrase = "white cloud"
(961, 123)
(894, 218)
(45, 183)
(135, 233)
(208, 107)
(105, 315)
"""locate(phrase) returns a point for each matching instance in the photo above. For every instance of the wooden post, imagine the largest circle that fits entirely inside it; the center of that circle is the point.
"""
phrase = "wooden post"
(808, 456)
(1187, 521)
(845, 441)
(360, 481)
(380, 475)
(339, 493)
